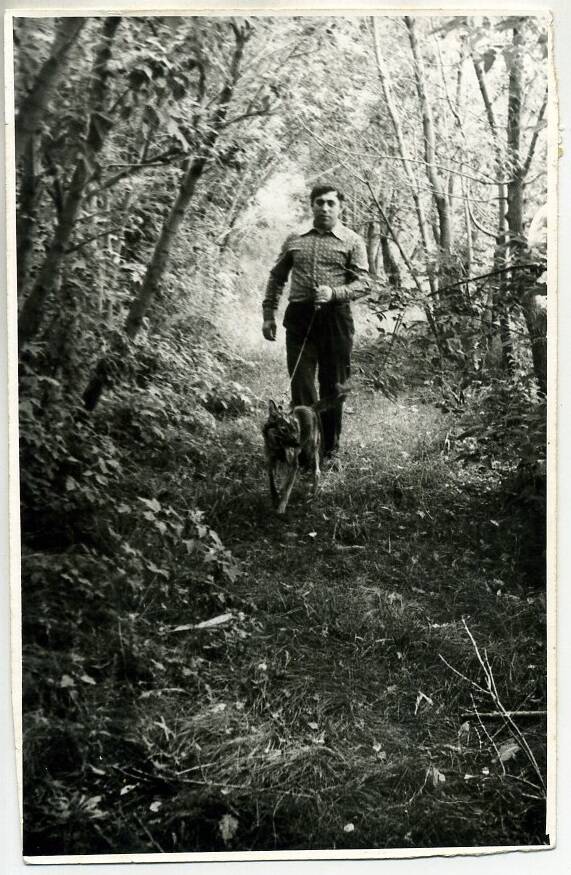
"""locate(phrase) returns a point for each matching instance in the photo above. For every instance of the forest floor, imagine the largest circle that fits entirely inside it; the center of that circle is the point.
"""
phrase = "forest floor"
(337, 700)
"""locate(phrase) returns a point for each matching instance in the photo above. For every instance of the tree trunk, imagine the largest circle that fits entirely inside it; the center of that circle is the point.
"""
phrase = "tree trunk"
(500, 261)
(31, 314)
(372, 247)
(532, 304)
(186, 192)
(438, 187)
(535, 311)
(108, 367)
(26, 220)
(390, 264)
(498, 299)
(391, 107)
(34, 105)
(161, 253)
(515, 183)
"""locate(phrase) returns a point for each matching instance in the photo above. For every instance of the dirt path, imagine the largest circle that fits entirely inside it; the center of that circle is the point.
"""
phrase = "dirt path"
(321, 709)
(352, 730)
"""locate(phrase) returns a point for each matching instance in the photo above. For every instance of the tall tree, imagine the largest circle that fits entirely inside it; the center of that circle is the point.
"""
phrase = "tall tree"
(532, 302)
(33, 107)
(49, 272)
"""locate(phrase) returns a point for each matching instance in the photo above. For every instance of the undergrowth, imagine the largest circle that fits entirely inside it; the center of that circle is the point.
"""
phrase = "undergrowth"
(202, 676)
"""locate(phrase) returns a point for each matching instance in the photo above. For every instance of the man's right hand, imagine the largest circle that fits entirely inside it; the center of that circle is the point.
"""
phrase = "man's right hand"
(269, 329)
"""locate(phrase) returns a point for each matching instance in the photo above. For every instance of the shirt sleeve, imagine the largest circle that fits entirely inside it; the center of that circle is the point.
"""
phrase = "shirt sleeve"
(277, 280)
(359, 283)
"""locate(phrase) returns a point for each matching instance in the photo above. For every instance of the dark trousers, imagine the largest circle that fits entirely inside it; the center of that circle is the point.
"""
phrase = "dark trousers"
(327, 353)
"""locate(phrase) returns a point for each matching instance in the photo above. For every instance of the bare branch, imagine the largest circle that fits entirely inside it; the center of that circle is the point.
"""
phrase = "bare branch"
(480, 76)
(131, 169)
(245, 115)
(533, 144)
(87, 240)
(486, 231)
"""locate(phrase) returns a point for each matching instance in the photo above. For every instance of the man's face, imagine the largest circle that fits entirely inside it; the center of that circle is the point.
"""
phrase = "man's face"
(326, 208)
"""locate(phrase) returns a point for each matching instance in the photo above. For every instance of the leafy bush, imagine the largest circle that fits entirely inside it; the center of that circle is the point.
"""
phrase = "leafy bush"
(503, 426)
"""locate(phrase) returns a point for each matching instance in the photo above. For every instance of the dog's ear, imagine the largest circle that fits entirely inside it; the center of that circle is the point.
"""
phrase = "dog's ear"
(272, 408)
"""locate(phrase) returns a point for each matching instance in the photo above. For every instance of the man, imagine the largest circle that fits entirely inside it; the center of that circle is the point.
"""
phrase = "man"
(329, 268)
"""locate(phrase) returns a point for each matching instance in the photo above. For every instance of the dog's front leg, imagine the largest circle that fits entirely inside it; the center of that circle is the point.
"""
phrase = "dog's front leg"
(286, 492)
(316, 472)
(273, 488)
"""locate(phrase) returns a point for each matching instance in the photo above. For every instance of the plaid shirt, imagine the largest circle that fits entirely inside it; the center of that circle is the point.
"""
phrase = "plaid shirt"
(336, 258)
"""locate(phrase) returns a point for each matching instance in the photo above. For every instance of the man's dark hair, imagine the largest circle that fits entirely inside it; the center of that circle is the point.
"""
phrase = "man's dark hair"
(324, 188)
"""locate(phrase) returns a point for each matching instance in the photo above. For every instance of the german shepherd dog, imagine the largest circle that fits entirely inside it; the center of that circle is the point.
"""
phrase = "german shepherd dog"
(292, 437)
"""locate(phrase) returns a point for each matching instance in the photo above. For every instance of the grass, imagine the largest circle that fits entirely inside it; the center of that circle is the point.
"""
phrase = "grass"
(321, 713)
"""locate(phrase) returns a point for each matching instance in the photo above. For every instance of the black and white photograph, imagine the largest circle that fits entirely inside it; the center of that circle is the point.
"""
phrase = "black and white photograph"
(283, 375)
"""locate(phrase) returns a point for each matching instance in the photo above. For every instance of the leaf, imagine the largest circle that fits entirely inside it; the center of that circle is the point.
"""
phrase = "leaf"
(349, 827)
(231, 572)
(87, 679)
(435, 776)
(228, 827)
(464, 731)
(422, 698)
(154, 806)
(126, 789)
(66, 681)
(220, 620)
(91, 804)
(152, 567)
(488, 59)
(152, 503)
(508, 751)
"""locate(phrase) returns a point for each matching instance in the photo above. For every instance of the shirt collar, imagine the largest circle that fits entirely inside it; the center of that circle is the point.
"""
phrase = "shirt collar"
(339, 230)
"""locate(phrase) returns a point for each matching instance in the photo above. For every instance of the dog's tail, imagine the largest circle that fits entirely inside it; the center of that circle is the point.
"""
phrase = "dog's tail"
(341, 392)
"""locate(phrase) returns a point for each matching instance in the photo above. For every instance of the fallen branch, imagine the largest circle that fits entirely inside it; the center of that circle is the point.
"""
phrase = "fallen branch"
(507, 713)
(491, 690)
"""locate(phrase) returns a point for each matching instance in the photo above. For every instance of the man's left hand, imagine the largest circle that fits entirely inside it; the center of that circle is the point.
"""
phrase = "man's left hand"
(323, 294)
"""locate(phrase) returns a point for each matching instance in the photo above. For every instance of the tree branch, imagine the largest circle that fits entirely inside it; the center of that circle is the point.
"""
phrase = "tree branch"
(533, 144)
(258, 112)
(87, 240)
(480, 76)
(131, 169)
(486, 231)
